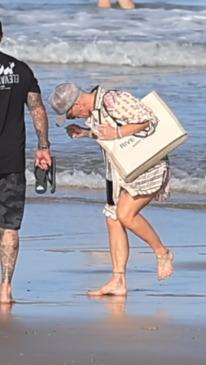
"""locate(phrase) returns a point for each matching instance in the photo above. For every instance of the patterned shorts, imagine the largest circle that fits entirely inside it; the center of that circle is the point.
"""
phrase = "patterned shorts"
(12, 199)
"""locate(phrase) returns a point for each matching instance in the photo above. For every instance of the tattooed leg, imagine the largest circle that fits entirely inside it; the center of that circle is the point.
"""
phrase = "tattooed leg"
(9, 247)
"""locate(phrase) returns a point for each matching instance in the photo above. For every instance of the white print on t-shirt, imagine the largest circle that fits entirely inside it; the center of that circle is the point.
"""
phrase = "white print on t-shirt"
(7, 70)
(7, 76)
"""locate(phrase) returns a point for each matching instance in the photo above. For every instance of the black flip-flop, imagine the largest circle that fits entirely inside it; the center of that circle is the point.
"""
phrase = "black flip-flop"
(51, 175)
(40, 180)
(42, 177)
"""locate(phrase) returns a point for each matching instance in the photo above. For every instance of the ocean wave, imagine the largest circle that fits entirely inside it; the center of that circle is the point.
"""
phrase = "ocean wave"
(85, 35)
(82, 180)
(192, 185)
(134, 54)
(76, 179)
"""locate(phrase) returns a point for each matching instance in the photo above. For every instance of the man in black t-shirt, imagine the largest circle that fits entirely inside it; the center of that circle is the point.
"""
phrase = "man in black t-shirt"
(18, 87)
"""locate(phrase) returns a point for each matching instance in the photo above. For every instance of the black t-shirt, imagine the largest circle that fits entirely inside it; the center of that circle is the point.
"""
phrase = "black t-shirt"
(16, 80)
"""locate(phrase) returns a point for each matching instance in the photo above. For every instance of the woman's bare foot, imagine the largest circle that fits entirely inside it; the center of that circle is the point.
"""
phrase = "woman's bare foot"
(5, 294)
(165, 265)
(116, 286)
(5, 311)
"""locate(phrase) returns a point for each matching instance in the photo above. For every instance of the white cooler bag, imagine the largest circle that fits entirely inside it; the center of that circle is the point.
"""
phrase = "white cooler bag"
(132, 155)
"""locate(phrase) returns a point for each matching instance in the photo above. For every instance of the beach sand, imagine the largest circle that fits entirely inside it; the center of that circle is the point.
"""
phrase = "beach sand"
(64, 253)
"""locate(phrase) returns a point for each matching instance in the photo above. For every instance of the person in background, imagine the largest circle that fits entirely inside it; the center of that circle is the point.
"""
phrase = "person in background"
(124, 4)
(125, 201)
(18, 87)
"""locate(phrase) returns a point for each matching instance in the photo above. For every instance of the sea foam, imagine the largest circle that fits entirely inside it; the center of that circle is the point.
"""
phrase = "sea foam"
(82, 180)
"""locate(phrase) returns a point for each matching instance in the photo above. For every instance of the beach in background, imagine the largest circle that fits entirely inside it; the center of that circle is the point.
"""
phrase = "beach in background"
(159, 46)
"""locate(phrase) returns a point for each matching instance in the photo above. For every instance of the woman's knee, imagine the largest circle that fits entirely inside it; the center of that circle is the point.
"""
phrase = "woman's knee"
(125, 218)
(110, 222)
(113, 225)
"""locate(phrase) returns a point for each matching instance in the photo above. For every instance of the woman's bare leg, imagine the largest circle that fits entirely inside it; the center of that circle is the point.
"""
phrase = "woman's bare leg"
(104, 3)
(9, 247)
(128, 213)
(126, 4)
(119, 250)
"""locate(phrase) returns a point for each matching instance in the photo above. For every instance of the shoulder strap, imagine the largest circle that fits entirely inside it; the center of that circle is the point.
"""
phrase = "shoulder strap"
(111, 116)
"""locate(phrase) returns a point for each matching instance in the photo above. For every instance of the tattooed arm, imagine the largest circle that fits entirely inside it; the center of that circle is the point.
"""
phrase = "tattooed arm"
(39, 116)
(40, 120)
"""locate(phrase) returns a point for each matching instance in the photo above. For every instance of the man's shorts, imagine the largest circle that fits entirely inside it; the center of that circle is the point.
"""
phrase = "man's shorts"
(12, 200)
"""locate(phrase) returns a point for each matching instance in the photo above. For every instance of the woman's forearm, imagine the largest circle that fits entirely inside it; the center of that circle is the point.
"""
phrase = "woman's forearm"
(129, 129)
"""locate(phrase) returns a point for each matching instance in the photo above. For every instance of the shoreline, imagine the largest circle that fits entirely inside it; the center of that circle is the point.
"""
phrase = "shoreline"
(71, 195)
(64, 252)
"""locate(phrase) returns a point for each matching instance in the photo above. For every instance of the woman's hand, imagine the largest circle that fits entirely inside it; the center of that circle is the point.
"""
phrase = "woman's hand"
(106, 132)
(75, 131)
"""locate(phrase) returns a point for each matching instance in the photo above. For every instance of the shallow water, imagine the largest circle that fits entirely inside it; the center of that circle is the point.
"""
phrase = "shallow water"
(65, 254)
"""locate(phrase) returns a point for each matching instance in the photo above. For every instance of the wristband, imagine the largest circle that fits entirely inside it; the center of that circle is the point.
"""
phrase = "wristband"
(45, 146)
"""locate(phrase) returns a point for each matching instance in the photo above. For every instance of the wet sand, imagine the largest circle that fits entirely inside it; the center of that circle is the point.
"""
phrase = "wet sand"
(64, 253)
(142, 340)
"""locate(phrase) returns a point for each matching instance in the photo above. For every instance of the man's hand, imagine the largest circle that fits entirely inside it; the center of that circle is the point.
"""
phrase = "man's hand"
(75, 131)
(43, 159)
